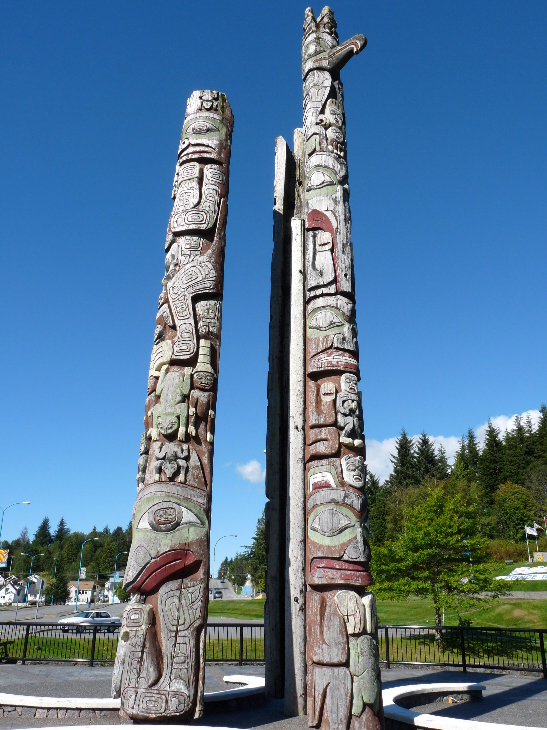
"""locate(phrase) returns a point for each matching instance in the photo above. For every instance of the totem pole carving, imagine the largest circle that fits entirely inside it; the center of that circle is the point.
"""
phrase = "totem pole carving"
(343, 673)
(160, 662)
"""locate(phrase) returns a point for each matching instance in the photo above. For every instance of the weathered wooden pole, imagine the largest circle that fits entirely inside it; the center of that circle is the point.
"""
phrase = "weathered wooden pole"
(160, 662)
(342, 686)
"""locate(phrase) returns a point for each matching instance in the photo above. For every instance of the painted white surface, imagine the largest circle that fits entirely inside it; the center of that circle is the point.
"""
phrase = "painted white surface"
(436, 722)
(253, 685)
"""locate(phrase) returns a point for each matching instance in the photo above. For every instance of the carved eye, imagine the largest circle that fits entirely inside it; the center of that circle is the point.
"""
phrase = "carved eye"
(201, 127)
(330, 522)
(325, 319)
(167, 516)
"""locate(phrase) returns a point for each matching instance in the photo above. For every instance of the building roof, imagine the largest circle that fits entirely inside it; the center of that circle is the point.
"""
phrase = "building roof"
(85, 585)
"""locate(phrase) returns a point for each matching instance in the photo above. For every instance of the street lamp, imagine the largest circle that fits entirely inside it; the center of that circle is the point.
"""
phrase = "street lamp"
(38, 555)
(90, 539)
(124, 552)
(54, 575)
(3, 510)
(214, 555)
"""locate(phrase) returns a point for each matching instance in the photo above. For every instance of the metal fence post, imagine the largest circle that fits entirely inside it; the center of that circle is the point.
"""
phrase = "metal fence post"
(462, 641)
(93, 640)
(25, 645)
(386, 634)
(542, 649)
(240, 645)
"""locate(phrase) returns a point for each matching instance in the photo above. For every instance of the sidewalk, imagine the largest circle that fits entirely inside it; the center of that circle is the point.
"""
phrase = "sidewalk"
(510, 699)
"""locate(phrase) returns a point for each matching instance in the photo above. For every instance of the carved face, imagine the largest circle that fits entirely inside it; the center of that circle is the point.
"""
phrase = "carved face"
(203, 380)
(349, 383)
(203, 135)
(169, 537)
(337, 544)
(354, 471)
(152, 382)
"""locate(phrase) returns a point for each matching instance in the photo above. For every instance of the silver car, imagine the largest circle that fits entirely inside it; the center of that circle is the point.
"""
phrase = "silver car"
(85, 619)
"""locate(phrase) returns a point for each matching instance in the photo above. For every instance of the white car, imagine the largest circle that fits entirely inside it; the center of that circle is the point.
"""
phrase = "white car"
(85, 619)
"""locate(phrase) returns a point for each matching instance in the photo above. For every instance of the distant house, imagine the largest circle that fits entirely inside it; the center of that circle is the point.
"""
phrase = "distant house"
(21, 590)
(13, 591)
(89, 591)
(111, 584)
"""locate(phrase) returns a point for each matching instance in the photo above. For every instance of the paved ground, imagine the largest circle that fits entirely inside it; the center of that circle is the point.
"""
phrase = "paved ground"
(511, 699)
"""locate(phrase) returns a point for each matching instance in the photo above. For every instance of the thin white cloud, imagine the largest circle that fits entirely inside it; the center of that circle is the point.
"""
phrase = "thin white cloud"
(251, 471)
(379, 452)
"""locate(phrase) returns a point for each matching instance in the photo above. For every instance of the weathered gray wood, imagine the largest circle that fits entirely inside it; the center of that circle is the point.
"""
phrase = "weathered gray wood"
(277, 421)
(295, 643)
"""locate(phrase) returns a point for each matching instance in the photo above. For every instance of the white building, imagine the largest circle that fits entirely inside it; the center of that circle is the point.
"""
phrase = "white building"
(14, 590)
(111, 584)
(89, 592)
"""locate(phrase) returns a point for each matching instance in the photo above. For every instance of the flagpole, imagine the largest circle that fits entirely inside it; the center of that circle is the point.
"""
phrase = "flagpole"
(527, 546)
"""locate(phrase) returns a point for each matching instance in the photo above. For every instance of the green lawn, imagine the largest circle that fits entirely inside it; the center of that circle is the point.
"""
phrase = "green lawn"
(252, 608)
(506, 613)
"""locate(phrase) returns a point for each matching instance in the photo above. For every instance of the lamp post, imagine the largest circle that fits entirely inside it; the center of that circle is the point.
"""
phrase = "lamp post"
(38, 555)
(3, 510)
(214, 556)
(54, 576)
(124, 552)
(90, 539)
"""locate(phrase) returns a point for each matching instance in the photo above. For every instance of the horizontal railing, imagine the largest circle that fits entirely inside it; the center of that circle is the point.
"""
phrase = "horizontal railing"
(470, 647)
(53, 642)
(243, 643)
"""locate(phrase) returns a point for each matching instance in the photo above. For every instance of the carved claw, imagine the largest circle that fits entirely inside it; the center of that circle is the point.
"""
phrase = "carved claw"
(210, 437)
(153, 434)
(191, 431)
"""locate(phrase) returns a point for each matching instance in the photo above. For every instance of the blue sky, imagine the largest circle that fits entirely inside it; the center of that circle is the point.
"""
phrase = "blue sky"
(446, 117)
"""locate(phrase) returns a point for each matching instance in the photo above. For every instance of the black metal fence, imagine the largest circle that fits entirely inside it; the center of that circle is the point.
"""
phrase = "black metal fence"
(243, 643)
(49, 642)
(466, 647)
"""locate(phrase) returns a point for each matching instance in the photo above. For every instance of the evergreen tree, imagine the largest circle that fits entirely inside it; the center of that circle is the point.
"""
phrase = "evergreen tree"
(257, 554)
(379, 510)
(473, 455)
(43, 538)
(515, 451)
(540, 441)
(372, 489)
(491, 462)
(460, 469)
(23, 537)
(443, 467)
(62, 531)
(426, 460)
(404, 462)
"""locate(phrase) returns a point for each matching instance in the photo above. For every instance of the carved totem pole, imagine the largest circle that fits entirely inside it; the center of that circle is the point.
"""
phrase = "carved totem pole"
(327, 552)
(160, 662)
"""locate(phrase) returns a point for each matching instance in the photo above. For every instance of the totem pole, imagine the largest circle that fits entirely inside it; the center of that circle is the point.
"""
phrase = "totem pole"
(327, 533)
(160, 662)
(343, 673)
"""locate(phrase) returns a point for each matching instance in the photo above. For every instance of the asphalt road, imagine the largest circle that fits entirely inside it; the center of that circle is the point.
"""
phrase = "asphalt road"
(54, 613)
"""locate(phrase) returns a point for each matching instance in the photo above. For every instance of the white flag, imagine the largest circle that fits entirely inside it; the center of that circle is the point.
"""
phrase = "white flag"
(531, 531)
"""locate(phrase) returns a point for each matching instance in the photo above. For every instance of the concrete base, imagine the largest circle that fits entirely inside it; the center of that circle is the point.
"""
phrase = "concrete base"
(92, 708)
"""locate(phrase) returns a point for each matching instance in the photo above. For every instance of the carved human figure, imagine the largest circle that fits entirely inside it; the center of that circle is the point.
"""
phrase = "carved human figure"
(143, 460)
(349, 415)
(202, 399)
(170, 415)
(159, 670)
